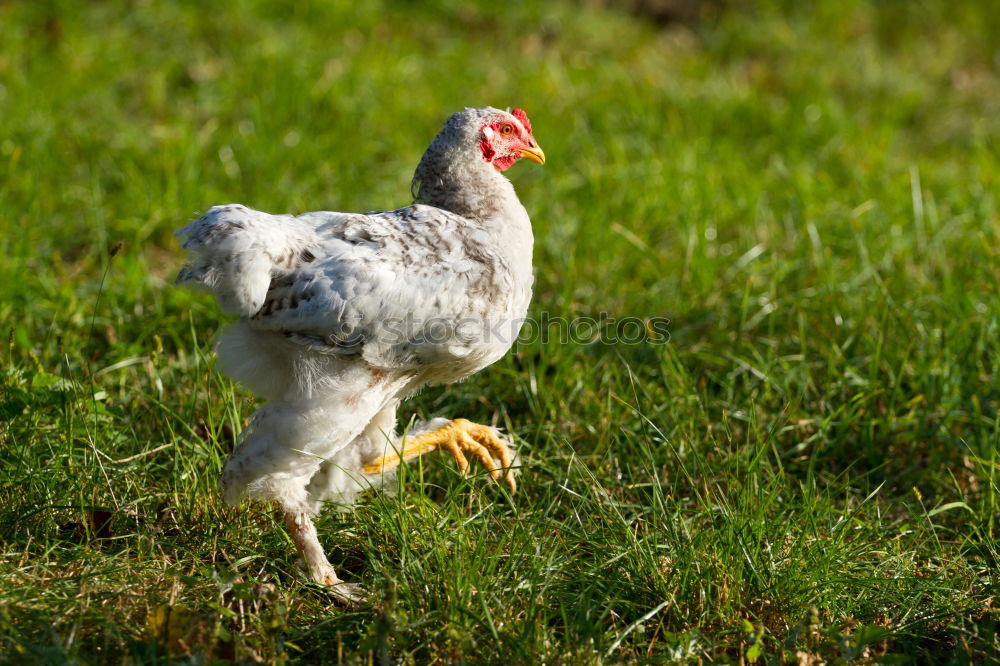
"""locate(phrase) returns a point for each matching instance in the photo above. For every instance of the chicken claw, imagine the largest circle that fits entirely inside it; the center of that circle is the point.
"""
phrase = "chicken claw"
(457, 438)
(314, 561)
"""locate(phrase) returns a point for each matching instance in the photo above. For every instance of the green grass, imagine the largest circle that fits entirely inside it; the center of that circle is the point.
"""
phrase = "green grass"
(809, 469)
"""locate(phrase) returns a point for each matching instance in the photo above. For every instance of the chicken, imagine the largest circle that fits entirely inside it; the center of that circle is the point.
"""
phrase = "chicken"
(342, 316)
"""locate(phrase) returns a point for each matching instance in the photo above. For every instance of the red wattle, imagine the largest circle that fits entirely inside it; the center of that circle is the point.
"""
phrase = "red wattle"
(504, 163)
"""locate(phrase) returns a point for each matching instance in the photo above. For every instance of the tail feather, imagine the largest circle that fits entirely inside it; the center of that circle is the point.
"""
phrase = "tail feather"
(235, 252)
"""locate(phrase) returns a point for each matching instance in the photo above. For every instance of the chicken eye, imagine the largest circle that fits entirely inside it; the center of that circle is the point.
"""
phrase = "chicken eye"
(506, 129)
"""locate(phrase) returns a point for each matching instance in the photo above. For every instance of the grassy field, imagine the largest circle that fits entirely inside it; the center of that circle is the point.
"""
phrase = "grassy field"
(808, 472)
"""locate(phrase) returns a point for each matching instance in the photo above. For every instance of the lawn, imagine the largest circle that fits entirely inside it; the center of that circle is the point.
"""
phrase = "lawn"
(806, 472)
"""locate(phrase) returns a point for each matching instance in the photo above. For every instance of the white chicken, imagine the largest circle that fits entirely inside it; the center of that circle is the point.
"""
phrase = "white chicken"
(342, 316)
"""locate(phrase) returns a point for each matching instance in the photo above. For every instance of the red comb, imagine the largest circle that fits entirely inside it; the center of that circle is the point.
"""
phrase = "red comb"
(523, 117)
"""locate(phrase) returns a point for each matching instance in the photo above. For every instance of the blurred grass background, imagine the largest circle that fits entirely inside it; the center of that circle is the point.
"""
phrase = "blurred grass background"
(808, 471)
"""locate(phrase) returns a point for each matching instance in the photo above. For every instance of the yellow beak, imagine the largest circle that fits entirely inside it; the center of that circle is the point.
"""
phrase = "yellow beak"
(534, 154)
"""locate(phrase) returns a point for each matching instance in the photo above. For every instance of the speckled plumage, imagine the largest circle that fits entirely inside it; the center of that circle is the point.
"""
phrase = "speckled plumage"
(344, 315)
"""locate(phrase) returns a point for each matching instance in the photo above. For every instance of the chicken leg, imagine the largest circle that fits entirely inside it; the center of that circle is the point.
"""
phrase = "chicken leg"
(320, 570)
(457, 438)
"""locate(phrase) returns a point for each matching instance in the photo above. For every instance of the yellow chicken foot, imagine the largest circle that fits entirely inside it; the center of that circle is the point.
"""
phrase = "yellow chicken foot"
(457, 438)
